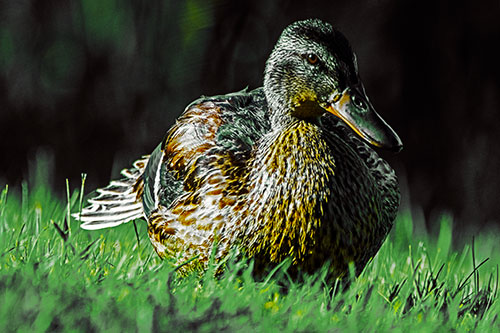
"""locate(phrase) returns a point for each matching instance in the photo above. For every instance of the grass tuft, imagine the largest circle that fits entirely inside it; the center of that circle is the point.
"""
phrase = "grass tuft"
(56, 276)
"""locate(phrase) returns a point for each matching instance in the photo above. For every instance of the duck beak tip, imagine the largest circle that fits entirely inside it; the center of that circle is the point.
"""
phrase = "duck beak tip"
(364, 121)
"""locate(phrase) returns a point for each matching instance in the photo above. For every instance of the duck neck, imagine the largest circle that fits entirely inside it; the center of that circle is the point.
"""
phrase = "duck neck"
(280, 119)
(291, 173)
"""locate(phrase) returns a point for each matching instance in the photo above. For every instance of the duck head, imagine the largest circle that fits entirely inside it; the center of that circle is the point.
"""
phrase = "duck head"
(312, 70)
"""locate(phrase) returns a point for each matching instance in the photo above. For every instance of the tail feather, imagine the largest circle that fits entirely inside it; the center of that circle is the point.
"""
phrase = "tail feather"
(116, 203)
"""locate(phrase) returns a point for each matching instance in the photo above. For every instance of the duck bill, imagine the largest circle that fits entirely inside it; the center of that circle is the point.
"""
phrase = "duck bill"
(354, 108)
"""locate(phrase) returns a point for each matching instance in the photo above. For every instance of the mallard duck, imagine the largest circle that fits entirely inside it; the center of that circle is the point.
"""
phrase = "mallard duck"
(282, 171)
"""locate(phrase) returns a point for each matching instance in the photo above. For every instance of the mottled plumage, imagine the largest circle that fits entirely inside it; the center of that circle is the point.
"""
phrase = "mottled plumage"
(282, 171)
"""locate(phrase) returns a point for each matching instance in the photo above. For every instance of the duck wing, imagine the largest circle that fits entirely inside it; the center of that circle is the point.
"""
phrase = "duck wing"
(205, 152)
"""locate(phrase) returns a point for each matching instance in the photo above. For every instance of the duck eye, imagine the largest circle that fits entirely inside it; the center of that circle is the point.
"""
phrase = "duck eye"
(312, 58)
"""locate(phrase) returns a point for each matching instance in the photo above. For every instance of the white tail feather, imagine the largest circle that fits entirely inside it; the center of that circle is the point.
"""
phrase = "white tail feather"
(115, 204)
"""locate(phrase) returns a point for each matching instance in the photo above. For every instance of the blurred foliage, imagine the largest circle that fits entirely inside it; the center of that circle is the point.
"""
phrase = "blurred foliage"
(88, 79)
(96, 83)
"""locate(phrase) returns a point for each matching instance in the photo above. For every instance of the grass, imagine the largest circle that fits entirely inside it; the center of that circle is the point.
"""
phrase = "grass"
(55, 276)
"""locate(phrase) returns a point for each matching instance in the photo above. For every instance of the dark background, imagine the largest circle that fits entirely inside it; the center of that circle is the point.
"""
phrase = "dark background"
(90, 85)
